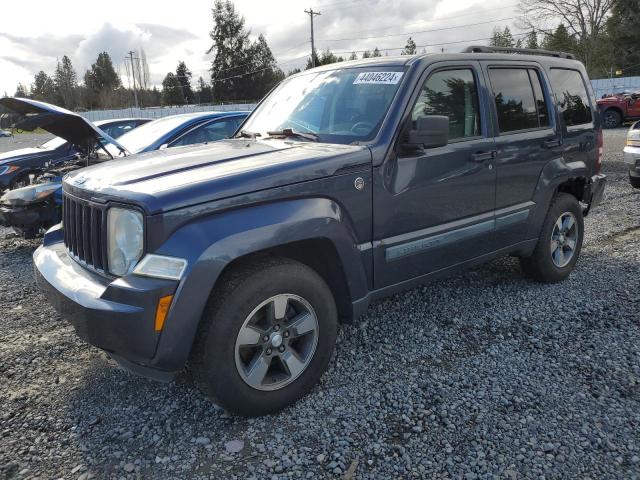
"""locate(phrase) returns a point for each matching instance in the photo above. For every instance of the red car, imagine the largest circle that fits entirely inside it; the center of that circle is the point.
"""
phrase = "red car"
(618, 109)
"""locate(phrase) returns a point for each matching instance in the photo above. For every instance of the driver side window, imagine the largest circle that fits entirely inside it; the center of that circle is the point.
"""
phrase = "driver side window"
(209, 132)
(452, 93)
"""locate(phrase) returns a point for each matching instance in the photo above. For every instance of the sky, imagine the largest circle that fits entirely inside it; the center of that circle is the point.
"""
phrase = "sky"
(174, 31)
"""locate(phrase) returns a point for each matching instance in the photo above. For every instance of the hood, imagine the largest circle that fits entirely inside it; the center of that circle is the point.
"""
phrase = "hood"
(58, 121)
(178, 177)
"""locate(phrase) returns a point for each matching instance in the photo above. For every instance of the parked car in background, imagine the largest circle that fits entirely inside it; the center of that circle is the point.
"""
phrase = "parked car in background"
(617, 109)
(347, 183)
(34, 207)
(632, 154)
(16, 166)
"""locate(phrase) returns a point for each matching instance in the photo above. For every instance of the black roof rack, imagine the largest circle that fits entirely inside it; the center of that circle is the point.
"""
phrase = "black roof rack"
(524, 51)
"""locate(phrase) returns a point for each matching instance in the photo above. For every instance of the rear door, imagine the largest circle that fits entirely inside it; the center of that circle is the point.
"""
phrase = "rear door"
(433, 208)
(527, 138)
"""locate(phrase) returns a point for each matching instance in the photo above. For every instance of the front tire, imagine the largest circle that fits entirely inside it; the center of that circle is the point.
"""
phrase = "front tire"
(559, 244)
(266, 337)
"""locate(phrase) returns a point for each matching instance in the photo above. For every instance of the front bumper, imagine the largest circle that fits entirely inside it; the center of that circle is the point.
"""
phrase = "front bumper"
(116, 315)
(632, 160)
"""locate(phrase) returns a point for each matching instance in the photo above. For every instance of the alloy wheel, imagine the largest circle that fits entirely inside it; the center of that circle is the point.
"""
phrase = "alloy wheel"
(276, 342)
(564, 239)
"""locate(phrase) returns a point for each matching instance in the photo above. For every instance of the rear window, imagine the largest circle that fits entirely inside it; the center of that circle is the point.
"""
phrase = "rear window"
(519, 99)
(572, 96)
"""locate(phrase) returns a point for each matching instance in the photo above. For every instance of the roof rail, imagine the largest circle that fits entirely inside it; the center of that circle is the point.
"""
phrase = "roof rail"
(524, 51)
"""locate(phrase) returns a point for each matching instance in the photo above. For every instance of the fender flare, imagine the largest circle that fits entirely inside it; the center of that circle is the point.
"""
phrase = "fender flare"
(211, 243)
(554, 173)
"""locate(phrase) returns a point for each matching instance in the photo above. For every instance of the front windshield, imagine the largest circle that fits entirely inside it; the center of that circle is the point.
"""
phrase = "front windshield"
(140, 138)
(339, 106)
(54, 143)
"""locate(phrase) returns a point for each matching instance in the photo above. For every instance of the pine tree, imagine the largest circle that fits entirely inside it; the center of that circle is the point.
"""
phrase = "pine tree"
(66, 82)
(172, 90)
(353, 56)
(366, 54)
(624, 36)
(43, 88)
(560, 40)
(183, 74)
(410, 48)
(203, 93)
(502, 38)
(532, 40)
(21, 91)
(376, 53)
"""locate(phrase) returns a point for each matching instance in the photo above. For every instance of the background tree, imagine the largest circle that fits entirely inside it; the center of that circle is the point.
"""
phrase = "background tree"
(353, 56)
(584, 19)
(101, 82)
(409, 48)
(502, 38)
(66, 82)
(241, 69)
(531, 40)
(204, 92)
(376, 53)
(325, 58)
(43, 88)
(624, 36)
(183, 74)
(21, 91)
(172, 90)
(560, 40)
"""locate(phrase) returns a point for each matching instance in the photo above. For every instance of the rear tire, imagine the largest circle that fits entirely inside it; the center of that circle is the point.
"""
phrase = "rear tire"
(559, 244)
(232, 361)
(635, 181)
(611, 119)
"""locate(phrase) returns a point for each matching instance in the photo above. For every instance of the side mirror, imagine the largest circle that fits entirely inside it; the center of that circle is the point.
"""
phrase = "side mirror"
(431, 131)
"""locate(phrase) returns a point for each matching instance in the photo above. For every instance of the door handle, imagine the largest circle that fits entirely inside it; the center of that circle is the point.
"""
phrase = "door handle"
(479, 157)
(554, 142)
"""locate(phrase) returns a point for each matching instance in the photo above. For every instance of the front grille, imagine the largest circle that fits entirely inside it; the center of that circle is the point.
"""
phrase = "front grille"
(85, 232)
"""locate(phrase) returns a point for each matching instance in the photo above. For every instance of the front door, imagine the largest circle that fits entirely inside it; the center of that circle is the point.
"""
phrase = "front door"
(433, 208)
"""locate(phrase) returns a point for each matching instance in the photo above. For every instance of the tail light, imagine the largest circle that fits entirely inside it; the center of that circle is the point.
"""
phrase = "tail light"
(600, 145)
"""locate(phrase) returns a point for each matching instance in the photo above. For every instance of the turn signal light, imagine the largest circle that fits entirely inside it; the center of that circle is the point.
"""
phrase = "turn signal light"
(161, 311)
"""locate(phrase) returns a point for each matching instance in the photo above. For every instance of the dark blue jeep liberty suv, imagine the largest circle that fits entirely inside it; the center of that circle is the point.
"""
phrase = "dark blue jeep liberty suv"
(237, 260)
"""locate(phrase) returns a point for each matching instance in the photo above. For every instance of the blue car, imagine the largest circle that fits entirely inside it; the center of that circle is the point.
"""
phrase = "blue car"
(17, 165)
(38, 206)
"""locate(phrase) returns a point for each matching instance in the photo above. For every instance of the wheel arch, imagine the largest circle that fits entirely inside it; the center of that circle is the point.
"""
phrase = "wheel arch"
(313, 231)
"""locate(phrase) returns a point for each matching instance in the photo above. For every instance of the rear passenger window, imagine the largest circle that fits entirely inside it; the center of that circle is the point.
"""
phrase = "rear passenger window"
(520, 103)
(573, 99)
(451, 93)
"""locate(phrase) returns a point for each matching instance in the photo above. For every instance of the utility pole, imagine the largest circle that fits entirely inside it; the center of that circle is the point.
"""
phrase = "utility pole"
(313, 46)
(133, 75)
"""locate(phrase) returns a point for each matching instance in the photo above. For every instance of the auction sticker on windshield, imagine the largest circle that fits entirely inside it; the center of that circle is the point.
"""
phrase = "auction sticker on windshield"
(378, 78)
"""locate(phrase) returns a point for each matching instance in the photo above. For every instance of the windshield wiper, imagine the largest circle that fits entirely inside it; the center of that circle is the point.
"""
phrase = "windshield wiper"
(248, 134)
(288, 132)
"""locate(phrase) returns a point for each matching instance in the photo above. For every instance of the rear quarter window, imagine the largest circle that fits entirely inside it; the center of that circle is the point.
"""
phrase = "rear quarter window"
(572, 97)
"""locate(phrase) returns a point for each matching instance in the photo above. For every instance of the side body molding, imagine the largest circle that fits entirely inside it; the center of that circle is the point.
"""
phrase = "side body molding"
(210, 243)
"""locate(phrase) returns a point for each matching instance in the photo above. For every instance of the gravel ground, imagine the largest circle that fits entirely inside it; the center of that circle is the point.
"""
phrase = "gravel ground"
(483, 375)
(23, 140)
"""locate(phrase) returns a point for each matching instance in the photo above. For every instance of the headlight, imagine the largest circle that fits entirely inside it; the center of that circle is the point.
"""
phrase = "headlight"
(7, 169)
(30, 194)
(633, 137)
(125, 234)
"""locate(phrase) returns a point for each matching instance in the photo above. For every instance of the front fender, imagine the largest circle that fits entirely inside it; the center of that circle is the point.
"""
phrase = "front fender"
(209, 244)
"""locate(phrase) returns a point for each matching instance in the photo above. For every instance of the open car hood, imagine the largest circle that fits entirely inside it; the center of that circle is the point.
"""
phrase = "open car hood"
(58, 121)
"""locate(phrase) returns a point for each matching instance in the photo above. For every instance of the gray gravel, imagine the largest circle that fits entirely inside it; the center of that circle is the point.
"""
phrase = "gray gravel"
(483, 375)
